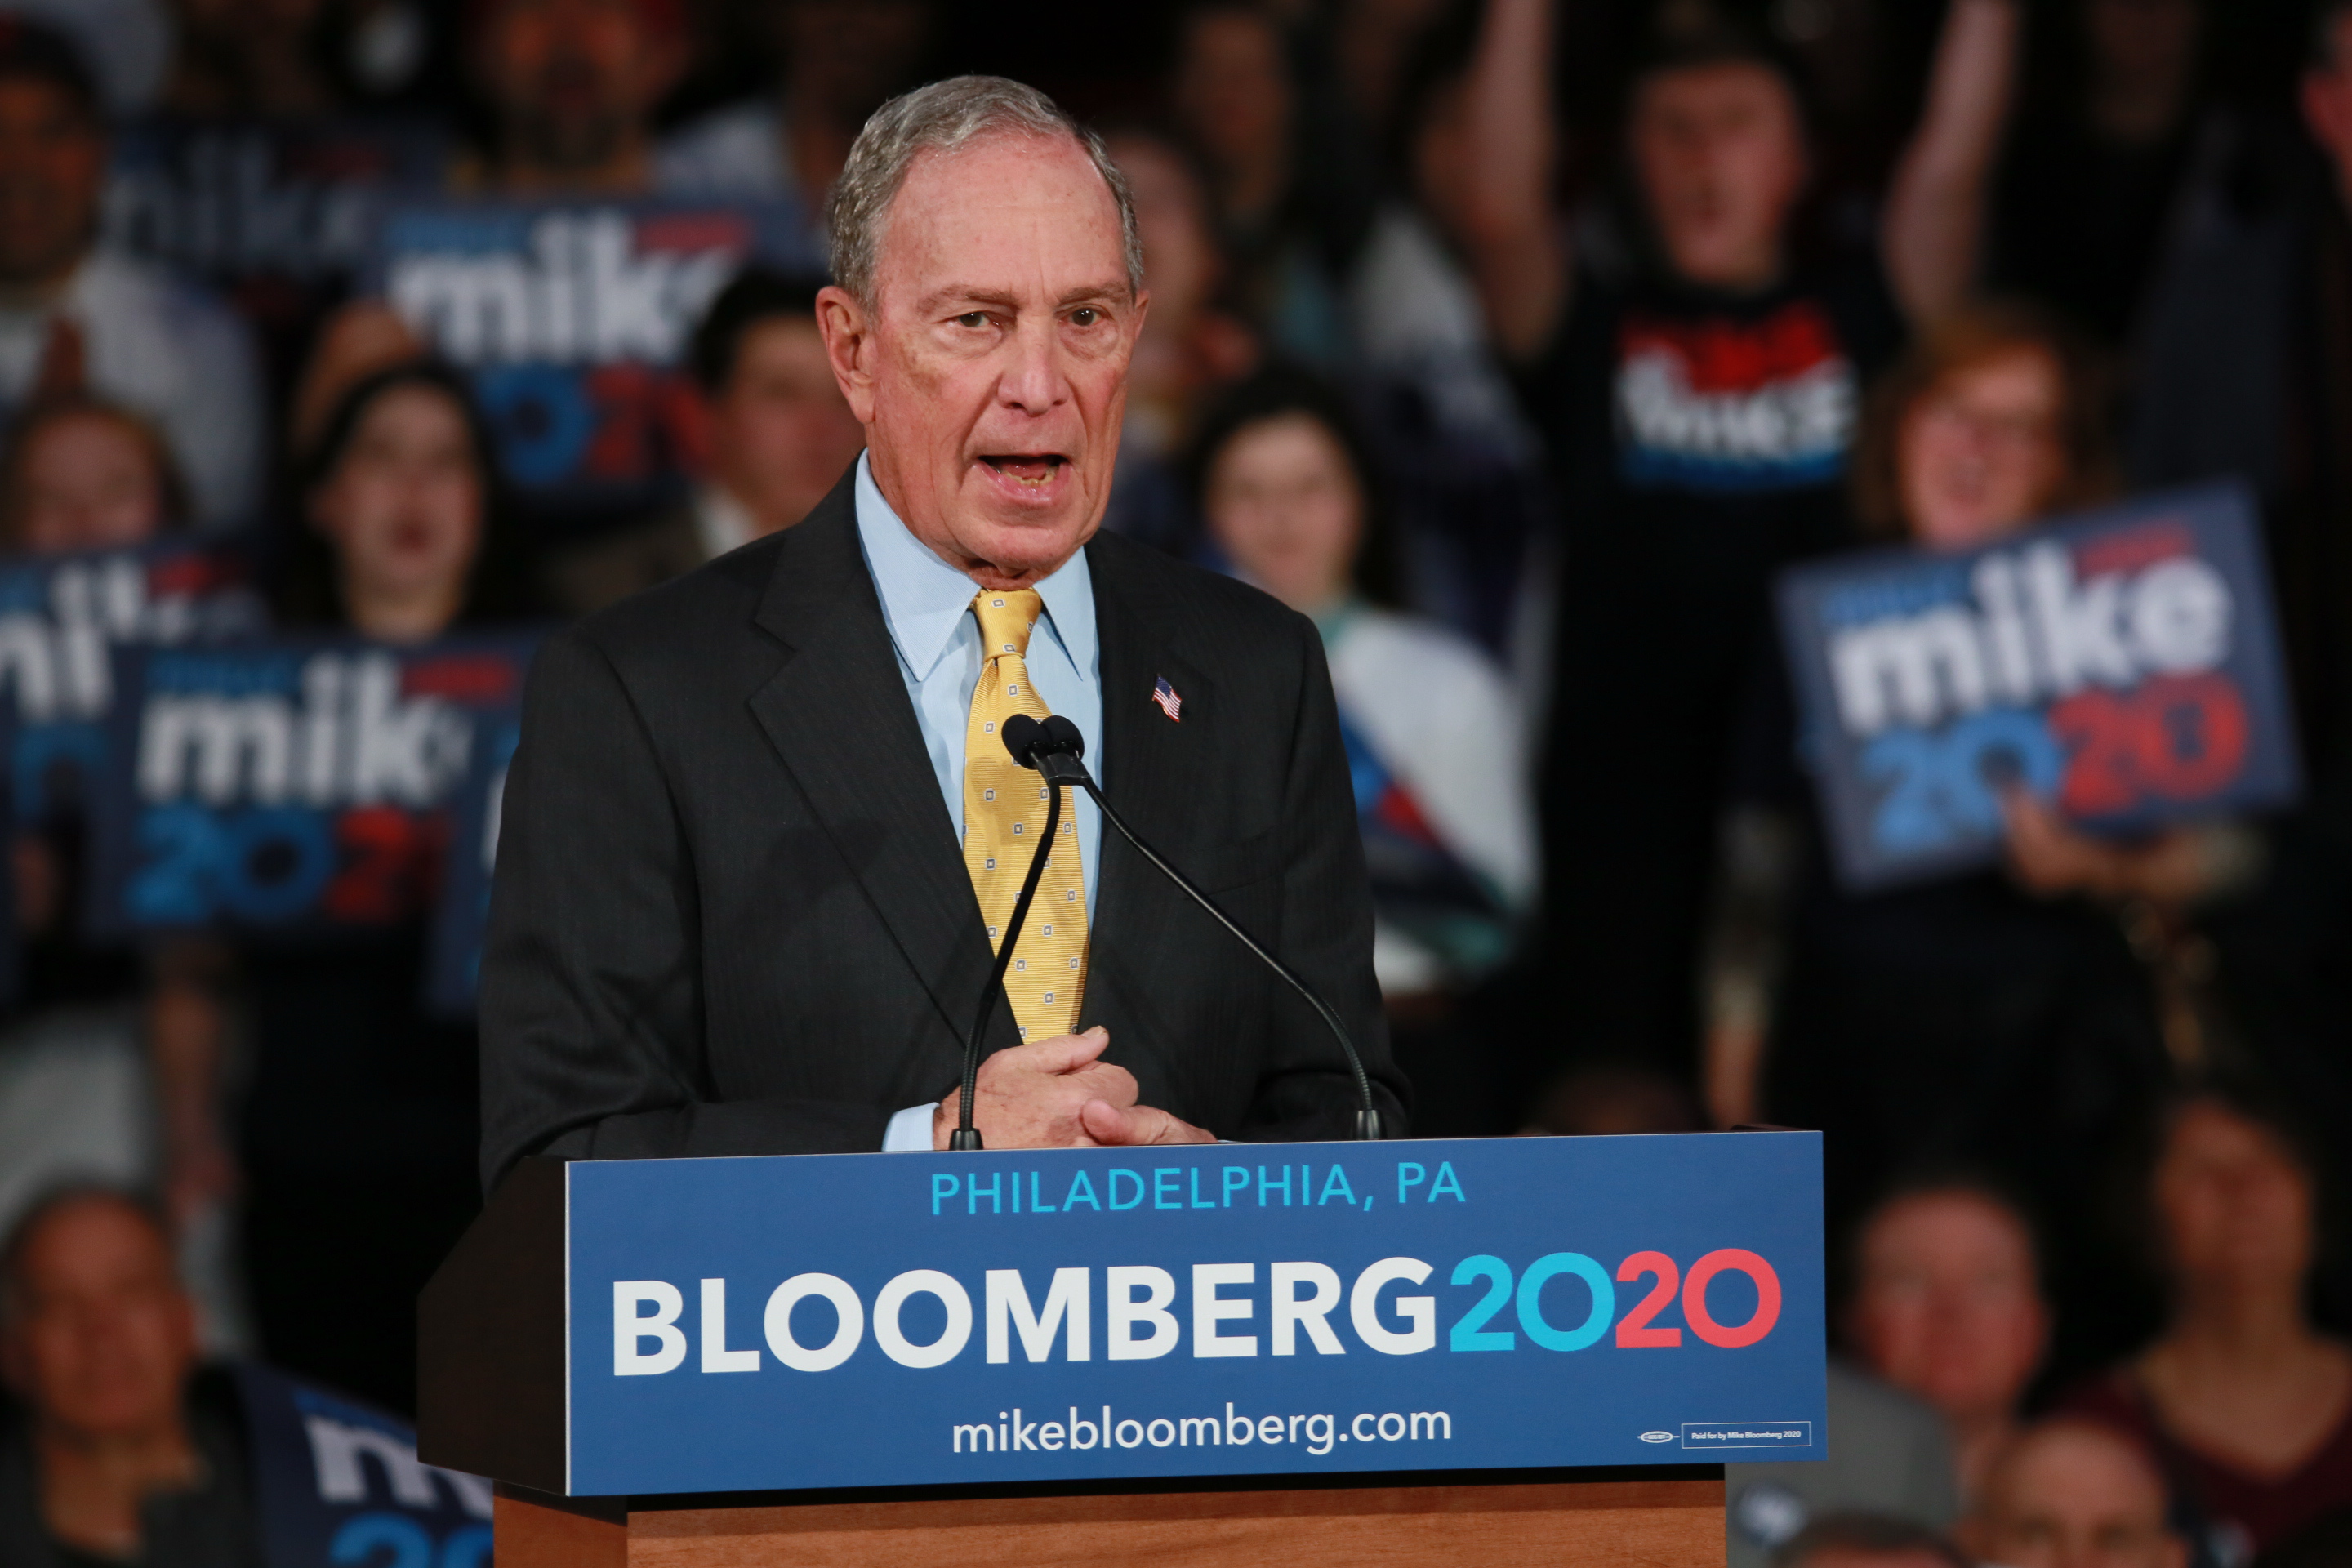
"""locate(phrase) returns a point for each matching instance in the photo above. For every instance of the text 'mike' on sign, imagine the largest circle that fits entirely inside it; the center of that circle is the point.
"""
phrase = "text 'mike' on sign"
(2123, 666)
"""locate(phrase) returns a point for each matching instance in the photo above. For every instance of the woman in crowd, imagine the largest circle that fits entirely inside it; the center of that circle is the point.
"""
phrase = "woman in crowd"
(2247, 1405)
(1998, 1018)
(1290, 500)
(358, 1132)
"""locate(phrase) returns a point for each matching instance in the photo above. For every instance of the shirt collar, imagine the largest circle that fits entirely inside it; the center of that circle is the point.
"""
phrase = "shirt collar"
(924, 599)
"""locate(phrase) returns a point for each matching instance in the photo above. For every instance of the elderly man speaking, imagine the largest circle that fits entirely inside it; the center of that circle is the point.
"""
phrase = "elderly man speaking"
(762, 834)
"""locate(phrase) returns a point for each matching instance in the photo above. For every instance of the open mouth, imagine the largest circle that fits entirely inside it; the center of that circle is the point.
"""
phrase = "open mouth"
(1037, 469)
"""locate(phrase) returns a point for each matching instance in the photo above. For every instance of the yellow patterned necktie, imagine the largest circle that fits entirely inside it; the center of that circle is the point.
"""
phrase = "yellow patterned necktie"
(1004, 807)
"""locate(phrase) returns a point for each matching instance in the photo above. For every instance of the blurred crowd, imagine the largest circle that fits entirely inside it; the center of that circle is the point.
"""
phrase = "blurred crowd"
(1518, 344)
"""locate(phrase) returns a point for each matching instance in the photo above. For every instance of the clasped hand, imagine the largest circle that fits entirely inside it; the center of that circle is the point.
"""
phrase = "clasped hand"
(1060, 1094)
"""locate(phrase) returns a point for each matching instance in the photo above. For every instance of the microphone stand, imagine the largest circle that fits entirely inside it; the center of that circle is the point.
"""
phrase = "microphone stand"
(1054, 749)
(967, 1136)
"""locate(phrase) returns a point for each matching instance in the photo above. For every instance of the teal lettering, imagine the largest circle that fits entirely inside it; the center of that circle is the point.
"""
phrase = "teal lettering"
(1196, 1191)
(1262, 1183)
(1337, 1182)
(1233, 1187)
(944, 1186)
(1082, 1191)
(1036, 1201)
(994, 1193)
(1446, 1183)
(1409, 1176)
(1133, 1176)
(1163, 1178)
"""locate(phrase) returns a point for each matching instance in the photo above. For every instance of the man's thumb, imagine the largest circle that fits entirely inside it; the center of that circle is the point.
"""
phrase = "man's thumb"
(1067, 1053)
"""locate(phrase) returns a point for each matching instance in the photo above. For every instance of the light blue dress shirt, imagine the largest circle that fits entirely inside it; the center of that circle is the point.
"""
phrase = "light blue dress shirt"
(927, 604)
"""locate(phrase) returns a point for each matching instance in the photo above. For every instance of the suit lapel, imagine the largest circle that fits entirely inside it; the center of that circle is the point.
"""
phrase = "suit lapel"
(838, 716)
(1147, 766)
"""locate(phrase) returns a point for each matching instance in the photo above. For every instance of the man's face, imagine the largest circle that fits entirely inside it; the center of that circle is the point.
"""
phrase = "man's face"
(1719, 153)
(1948, 1306)
(575, 81)
(100, 1337)
(780, 433)
(2072, 1496)
(990, 374)
(52, 165)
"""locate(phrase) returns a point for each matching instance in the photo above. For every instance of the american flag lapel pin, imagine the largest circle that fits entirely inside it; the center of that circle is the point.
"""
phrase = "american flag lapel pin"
(1169, 703)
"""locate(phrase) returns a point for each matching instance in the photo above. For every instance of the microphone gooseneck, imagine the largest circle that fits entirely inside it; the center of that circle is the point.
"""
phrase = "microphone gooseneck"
(967, 1136)
(1054, 749)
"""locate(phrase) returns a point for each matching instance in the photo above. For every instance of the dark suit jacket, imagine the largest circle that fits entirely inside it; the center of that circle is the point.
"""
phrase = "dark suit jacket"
(732, 917)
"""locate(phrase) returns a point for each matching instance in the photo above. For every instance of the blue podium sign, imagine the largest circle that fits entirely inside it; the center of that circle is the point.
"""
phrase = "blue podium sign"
(893, 1319)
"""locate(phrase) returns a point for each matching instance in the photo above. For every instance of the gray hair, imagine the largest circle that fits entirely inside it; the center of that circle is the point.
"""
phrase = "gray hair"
(946, 116)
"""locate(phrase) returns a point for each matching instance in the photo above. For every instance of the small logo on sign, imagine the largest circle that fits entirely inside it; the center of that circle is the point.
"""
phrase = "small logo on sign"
(1657, 1437)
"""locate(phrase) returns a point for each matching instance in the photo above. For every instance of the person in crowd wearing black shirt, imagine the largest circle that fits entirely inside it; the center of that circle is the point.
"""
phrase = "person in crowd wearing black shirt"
(1698, 406)
(357, 1131)
(780, 436)
(119, 1453)
(2246, 372)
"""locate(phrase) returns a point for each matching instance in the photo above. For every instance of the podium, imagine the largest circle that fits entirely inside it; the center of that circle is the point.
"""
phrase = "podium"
(869, 1359)
(1653, 1522)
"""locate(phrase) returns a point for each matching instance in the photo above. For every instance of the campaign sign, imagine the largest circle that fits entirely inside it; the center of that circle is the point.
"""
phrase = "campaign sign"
(1225, 1310)
(298, 787)
(290, 201)
(62, 618)
(2123, 665)
(454, 980)
(572, 320)
(339, 1482)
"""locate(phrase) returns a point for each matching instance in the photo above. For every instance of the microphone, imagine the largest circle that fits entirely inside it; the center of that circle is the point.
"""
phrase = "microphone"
(1055, 749)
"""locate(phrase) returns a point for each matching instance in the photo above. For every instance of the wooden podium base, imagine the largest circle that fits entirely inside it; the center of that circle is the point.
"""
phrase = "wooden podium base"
(1649, 1524)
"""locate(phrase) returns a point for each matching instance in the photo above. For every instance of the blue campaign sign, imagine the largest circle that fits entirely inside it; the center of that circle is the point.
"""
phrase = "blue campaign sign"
(2123, 665)
(336, 1482)
(1069, 1316)
(295, 788)
(285, 202)
(61, 620)
(572, 319)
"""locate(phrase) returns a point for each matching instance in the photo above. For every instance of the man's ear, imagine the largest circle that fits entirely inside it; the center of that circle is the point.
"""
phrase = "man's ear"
(849, 347)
